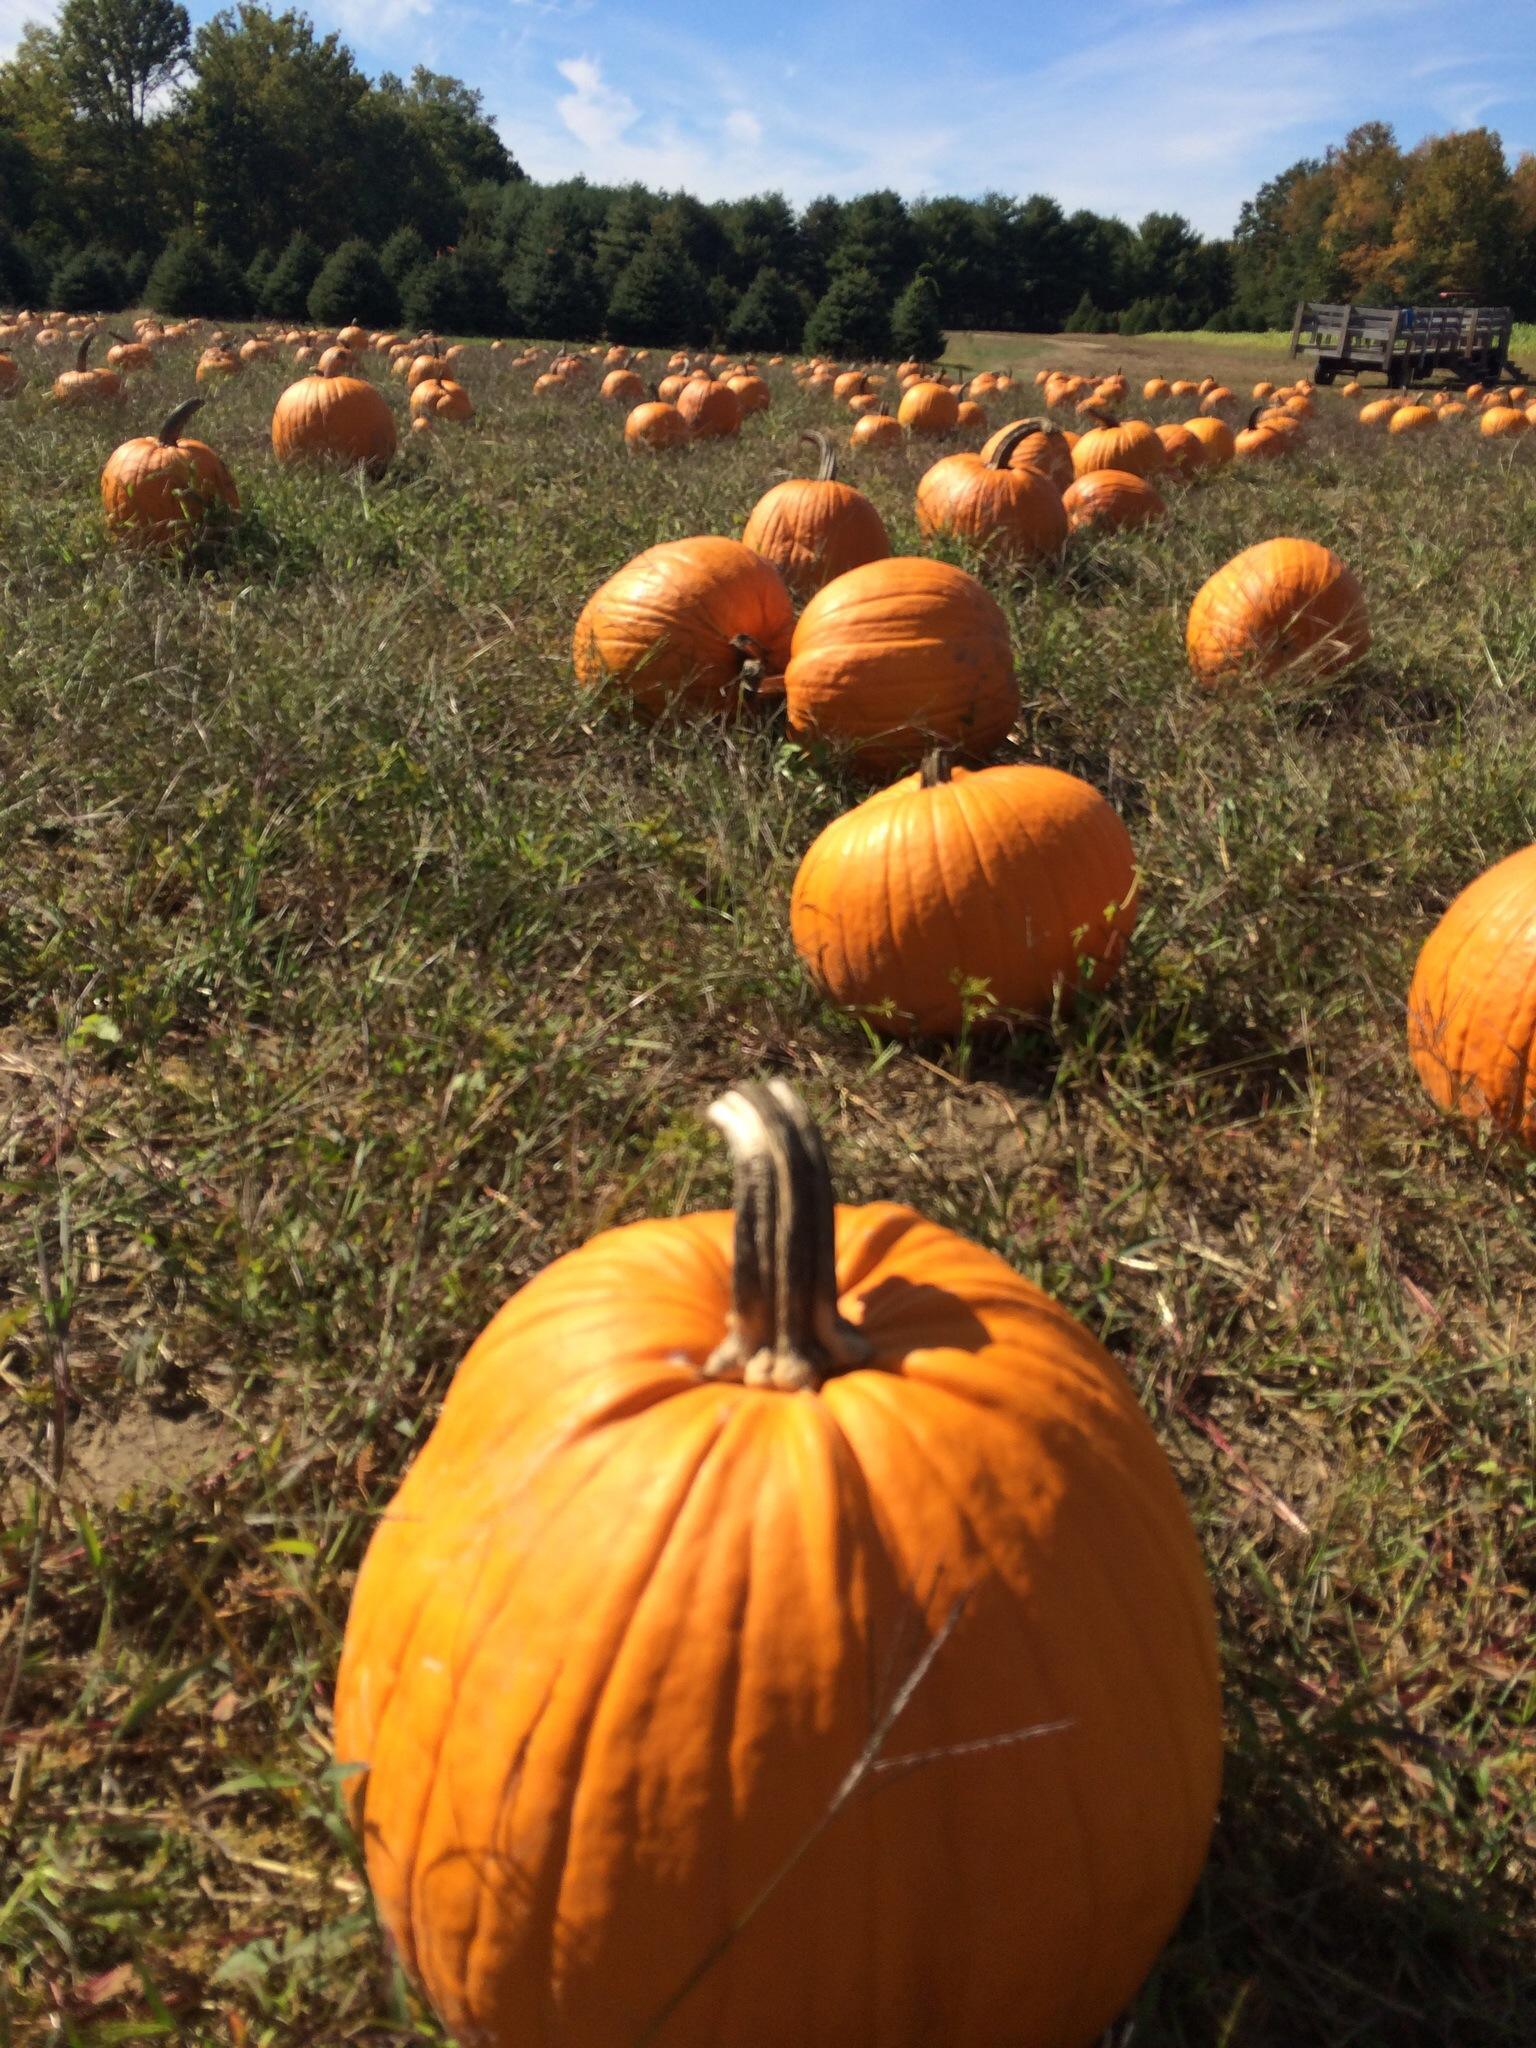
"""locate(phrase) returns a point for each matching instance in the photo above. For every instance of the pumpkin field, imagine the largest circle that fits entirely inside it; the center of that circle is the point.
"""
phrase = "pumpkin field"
(396, 869)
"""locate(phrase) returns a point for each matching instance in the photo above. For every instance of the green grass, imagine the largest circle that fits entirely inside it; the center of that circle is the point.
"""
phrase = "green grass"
(353, 964)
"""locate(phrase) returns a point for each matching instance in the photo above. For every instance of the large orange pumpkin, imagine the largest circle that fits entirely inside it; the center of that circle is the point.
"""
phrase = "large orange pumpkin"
(1472, 1002)
(655, 425)
(900, 656)
(84, 386)
(711, 411)
(1282, 607)
(1215, 437)
(814, 528)
(1034, 444)
(334, 419)
(159, 490)
(1013, 514)
(692, 623)
(791, 1631)
(951, 897)
(1108, 499)
(929, 410)
(1130, 446)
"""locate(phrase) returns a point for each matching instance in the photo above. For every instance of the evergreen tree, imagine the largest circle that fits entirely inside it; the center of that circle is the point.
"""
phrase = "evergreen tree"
(622, 235)
(917, 326)
(768, 315)
(292, 277)
(432, 298)
(659, 300)
(851, 319)
(1084, 318)
(233, 294)
(483, 296)
(93, 280)
(405, 251)
(353, 286)
(136, 276)
(554, 294)
(23, 280)
(189, 279)
(257, 271)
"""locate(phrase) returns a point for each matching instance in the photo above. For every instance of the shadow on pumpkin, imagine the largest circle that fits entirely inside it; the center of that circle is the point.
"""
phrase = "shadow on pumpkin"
(922, 1317)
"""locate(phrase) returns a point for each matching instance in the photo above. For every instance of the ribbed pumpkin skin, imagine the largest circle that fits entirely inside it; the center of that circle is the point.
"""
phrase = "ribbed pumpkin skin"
(1132, 448)
(655, 425)
(1283, 605)
(334, 419)
(875, 430)
(1014, 514)
(900, 656)
(1184, 451)
(1014, 876)
(929, 409)
(159, 496)
(1214, 436)
(624, 1631)
(711, 412)
(1472, 1002)
(663, 626)
(813, 530)
(1111, 498)
(1048, 452)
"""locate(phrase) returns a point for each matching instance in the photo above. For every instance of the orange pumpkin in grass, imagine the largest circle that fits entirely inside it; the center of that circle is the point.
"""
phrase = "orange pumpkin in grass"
(849, 383)
(929, 410)
(711, 411)
(1377, 412)
(337, 420)
(1110, 499)
(255, 349)
(897, 657)
(1034, 444)
(433, 363)
(1265, 437)
(160, 491)
(83, 386)
(1503, 422)
(970, 418)
(1472, 1002)
(440, 398)
(10, 375)
(876, 430)
(1012, 514)
(1413, 419)
(752, 392)
(815, 528)
(216, 363)
(1155, 387)
(655, 425)
(718, 1514)
(1215, 437)
(1131, 447)
(126, 355)
(622, 387)
(1018, 880)
(689, 623)
(1185, 453)
(1218, 399)
(1284, 607)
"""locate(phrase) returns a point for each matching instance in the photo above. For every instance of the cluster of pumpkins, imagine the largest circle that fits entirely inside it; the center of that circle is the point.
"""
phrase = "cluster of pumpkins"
(1503, 411)
(806, 1553)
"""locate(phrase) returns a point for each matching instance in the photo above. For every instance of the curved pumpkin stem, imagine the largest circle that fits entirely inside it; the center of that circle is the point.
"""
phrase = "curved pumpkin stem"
(1010, 439)
(938, 766)
(819, 438)
(785, 1331)
(82, 352)
(172, 424)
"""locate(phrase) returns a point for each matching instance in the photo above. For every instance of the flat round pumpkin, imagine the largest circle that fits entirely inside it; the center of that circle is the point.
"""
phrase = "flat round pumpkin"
(953, 898)
(791, 1631)
(1472, 1003)
(690, 623)
(897, 657)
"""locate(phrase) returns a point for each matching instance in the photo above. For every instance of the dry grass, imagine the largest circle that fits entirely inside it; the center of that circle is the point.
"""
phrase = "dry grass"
(352, 964)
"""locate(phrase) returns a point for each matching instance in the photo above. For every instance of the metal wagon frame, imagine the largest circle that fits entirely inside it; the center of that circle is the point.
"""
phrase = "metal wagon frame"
(1406, 344)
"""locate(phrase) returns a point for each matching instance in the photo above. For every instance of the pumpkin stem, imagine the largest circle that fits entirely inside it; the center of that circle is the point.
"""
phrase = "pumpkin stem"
(1098, 412)
(938, 766)
(1010, 438)
(784, 1331)
(819, 438)
(83, 351)
(172, 424)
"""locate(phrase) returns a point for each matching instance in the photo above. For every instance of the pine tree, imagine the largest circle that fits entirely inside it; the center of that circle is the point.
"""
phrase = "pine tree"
(852, 319)
(1084, 318)
(659, 300)
(92, 280)
(189, 279)
(291, 279)
(432, 298)
(23, 281)
(917, 323)
(257, 271)
(768, 315)
(478, 270)
(353, 286)
(553, 293)
(405, 251)
(231, 292)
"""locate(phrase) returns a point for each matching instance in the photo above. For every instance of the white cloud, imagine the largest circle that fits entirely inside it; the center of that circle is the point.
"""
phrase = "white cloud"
(14, 17)
(595, 114)
(744, 128)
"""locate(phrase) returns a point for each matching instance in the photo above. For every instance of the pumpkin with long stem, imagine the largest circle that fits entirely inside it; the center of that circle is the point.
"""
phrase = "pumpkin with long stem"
(1472, 1003)
(163, 490)
(341, 420)
(1284, 607)
(127, 354)
(1013, 514)
(1264, 437)
(1034, 444)
(84, 386)
(815, 528)
(790, 1631)
(693, 624)
(953, 897)
(899, 656)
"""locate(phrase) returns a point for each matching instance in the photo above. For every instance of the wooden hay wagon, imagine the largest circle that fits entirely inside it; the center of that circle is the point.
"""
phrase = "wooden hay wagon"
(1406, 344)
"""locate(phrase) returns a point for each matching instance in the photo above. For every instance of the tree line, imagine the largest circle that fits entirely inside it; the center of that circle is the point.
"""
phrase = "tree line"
(252, 169)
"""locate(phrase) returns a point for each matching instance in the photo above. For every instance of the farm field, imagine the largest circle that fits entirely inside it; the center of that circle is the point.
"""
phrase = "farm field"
(355, 962)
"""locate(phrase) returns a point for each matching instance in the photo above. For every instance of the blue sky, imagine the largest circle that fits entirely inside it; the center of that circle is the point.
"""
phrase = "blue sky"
(1178, 104)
